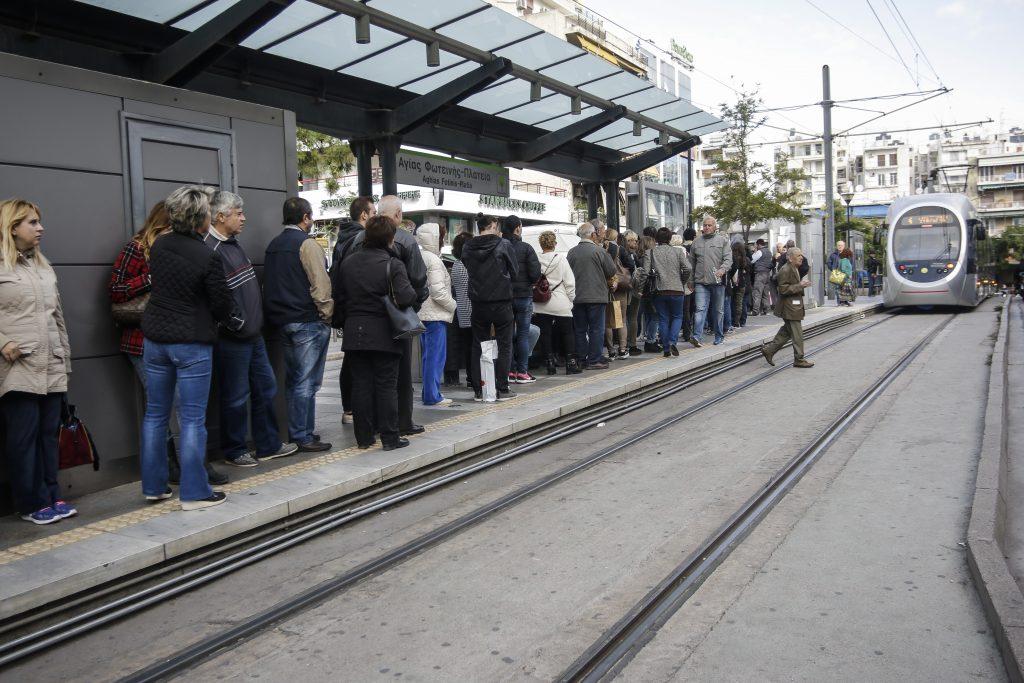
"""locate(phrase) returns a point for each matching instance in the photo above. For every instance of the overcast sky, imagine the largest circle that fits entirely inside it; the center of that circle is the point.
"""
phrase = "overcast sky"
(974, 46)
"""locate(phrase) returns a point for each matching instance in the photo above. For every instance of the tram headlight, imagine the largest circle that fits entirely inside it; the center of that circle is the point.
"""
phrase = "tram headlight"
(949, 266)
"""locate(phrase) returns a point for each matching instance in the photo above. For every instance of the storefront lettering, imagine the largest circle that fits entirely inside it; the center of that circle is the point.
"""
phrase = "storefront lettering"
(342, 203)
(510, 204)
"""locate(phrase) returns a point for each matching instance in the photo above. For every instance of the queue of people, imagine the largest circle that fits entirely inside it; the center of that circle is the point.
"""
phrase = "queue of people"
(193, 315)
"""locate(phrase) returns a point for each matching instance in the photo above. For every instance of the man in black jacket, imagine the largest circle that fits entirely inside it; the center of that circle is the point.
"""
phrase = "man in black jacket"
(527, 273)
(360, 211)
(491, 265)
(408, 251)
(244, 374)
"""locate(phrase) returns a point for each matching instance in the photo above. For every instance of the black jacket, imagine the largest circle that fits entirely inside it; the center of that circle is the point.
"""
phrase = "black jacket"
(240, 277)
(362, 285)
(780, 263)
(347, 232)
(527, 267)
(492, 268)
(408, 250)
(189, 295)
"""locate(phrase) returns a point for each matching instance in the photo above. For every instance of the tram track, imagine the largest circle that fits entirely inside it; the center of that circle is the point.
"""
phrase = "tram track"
(209, 567)
(613, 651)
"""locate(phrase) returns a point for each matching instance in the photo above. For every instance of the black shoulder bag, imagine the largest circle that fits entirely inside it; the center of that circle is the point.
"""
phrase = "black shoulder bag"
(405, 324)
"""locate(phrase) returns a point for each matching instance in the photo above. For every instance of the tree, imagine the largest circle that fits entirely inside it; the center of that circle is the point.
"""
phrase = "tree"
(751, 191)
(874, 242)
(323, 156)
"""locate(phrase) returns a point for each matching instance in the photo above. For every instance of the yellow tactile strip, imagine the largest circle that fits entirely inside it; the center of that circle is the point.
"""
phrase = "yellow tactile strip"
(154, 510)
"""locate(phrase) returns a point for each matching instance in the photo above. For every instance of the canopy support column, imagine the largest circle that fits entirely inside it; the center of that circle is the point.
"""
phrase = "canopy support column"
(363, 151)
(611, 204)
(387, 152)
(593, 199)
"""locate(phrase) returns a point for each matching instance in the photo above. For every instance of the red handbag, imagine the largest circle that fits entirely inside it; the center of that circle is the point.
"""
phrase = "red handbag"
(74, 443)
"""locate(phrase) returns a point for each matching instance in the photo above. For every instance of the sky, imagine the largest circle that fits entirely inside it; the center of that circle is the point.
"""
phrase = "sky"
(780, 46)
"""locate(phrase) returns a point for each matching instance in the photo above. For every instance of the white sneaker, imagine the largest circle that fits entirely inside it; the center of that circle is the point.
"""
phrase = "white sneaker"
(217, 498)
(442, 403)
(346, 418)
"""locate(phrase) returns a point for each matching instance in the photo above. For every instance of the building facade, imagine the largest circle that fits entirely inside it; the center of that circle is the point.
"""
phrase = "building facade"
(1000, 187)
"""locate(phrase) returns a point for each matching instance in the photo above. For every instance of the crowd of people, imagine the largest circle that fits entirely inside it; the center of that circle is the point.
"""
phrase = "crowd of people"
(191, 309)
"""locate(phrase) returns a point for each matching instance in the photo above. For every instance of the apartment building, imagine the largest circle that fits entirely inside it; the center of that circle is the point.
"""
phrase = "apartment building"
(1000, 187)
(884, 170)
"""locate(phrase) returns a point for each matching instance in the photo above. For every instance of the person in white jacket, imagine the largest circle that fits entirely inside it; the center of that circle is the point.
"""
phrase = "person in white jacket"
(554, 316)
(436, 312)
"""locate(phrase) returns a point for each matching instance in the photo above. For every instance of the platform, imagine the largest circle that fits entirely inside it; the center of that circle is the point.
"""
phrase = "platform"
(117, 533)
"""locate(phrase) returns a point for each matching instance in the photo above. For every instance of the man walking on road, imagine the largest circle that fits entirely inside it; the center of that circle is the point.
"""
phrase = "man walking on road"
(710, 260)
(491, 265)
(297, 300)
(761, 261)
(360, 211)
(408, 251)
(244, 374)
(791, 309)
(592, 266)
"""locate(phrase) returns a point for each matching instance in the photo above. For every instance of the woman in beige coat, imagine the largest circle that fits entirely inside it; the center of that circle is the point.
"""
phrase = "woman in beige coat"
(35, 363)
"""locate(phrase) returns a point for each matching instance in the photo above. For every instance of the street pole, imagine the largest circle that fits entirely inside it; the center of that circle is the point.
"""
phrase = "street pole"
(830, 217)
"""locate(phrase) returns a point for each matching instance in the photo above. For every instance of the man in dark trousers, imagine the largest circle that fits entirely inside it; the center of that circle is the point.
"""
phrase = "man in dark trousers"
(491, 265)
(360, 211)
(408, 251)
(790, 308)
(527, 273)
(762, 263)
(592, 267)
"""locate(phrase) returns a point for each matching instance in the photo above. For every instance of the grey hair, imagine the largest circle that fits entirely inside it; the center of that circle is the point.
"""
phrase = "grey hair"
(586, 230)
(790, 244)
(188, 207)
(389, 205)
(597, 223)
(676, 240)
(630, 235)
(224, 202)
(794, 252)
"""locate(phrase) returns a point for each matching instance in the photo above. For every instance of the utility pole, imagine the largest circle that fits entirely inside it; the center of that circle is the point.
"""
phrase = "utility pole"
(830, 217)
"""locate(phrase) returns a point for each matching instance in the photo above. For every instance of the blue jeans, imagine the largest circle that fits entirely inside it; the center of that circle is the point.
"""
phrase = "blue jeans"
(433, 350)
(522, 309)
(715, 295)
(727, 312)
(670, 318)
(650, 321)
(589, 322)
(305, 353)
(244, 376)
(184, 369)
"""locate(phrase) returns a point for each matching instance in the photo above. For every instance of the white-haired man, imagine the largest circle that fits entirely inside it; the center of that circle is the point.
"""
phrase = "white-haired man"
(710, 260)
(592, 267)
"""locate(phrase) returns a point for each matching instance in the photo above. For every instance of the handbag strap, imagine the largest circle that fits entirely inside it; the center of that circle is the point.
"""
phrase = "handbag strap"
(391, 285)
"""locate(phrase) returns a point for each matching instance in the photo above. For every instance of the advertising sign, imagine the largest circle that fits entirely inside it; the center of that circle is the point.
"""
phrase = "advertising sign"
(427, 170)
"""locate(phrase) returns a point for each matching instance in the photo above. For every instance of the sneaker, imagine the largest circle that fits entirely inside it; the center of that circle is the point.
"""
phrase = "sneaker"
(513, 378)
(45, 516)
(346, 418)
(666, 354)
(314, 446)
(478, 396)
(401, 443)
(506, 395)
(696, 342)
(525, 378)
(244, 460)
(285, 449)
(64, 510)
(624, 354)
(674, 350)
(634, 351)
(217, 498)
(440, 404)
(161, 496)
(717, 342)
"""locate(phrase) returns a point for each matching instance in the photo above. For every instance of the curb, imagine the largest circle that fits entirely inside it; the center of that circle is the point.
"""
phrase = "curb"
(1000, 595)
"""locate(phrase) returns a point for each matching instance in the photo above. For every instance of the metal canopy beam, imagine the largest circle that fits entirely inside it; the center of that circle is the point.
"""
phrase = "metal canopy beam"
(632, 166)
(386, 21)
(180, 62)
(556, 139)
(415, 112)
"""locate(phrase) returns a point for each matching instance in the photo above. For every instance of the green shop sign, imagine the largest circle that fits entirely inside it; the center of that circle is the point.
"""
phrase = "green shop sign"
(343, 203)
(509, 204)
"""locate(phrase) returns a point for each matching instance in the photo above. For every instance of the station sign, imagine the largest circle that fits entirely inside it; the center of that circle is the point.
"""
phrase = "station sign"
(428, 170)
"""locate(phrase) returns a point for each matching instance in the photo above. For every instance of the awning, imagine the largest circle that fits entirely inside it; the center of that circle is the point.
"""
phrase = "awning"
(590, 46)
(348, 67)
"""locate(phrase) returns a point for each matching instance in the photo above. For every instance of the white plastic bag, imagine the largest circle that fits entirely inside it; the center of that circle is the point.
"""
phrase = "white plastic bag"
(488, 354)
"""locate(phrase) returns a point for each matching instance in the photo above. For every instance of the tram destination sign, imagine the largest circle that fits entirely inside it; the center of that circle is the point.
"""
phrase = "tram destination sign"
(428, 170)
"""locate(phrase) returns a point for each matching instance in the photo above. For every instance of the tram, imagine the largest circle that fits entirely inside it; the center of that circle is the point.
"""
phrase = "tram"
(934, 255)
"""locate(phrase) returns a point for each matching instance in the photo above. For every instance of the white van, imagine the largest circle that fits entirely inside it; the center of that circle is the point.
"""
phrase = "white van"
(565, 236)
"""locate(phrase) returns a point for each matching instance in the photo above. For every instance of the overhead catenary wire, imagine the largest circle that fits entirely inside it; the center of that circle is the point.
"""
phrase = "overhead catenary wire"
(952, 127)
(913, 37)
(906, 106)
(881, 24)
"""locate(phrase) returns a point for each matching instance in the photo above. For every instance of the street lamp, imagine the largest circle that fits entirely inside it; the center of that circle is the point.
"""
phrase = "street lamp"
(847, 196)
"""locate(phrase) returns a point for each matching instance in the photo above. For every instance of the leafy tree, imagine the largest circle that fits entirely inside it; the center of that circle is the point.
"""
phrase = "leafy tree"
(751, 191)
(321, 155)
(1009, 246)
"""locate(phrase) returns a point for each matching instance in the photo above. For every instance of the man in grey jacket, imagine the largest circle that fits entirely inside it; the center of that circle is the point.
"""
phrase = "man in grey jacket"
(592, 266)
(710, 260)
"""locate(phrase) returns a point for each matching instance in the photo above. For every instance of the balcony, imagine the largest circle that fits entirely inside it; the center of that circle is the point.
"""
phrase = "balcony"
(1001, 207)
(1005, 179)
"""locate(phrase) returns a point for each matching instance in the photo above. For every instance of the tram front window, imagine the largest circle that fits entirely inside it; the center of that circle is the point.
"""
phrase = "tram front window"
(926, 234)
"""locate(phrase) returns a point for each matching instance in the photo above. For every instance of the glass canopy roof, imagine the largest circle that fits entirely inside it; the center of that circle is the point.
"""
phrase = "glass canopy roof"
(309, 31)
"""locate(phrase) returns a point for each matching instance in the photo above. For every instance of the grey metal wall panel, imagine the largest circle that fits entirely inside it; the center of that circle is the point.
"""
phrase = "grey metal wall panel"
(155, 190)
(83, 293)
(261, 159)
(179, 163)
(83, 213)
(262, 221)
(47, 125)
(177, 114)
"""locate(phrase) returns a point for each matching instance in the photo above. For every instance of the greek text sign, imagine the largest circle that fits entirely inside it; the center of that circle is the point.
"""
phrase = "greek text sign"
(427, 170)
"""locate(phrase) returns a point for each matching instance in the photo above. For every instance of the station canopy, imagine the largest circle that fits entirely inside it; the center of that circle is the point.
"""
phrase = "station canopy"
(459, 76)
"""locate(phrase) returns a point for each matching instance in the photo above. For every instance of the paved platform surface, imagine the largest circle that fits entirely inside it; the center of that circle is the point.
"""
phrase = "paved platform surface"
(1013, 540)
(117, 533)
(860, 573)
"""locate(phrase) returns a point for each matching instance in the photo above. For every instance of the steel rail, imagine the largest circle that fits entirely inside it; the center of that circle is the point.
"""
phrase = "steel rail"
(193, 654)
(620, 643)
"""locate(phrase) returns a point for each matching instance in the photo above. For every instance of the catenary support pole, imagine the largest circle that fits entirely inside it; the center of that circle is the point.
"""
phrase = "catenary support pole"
(830, 216)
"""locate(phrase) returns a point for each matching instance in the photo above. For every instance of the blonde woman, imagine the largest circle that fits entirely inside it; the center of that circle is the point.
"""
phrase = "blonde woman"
(554, 316)
(35, 364)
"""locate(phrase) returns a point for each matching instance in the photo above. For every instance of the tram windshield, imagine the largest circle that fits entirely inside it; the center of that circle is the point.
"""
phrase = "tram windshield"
(926, 233)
